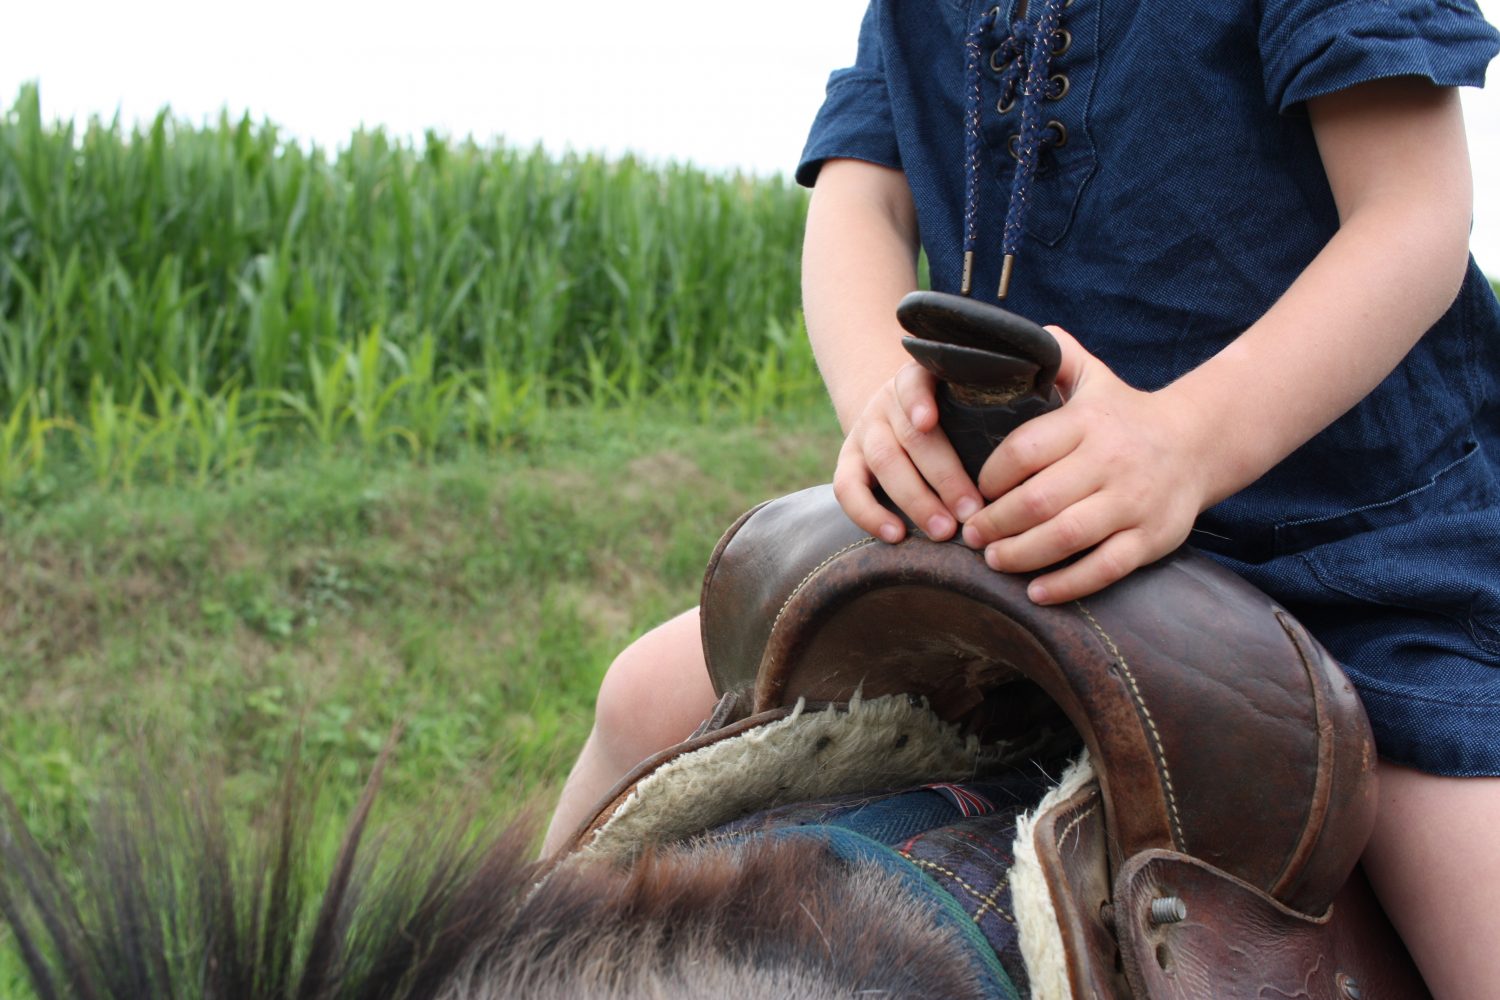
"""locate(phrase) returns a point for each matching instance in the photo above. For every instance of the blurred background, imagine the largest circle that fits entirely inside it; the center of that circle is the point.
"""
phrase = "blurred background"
(724, 87)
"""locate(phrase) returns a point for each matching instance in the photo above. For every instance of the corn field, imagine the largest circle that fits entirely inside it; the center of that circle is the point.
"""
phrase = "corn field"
(181, 300)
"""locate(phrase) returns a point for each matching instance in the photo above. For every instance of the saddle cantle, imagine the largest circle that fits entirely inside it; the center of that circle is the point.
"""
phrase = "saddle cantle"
(1212, 853)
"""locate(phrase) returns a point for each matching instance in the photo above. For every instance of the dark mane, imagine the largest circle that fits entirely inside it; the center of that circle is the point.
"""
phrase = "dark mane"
(171, 903)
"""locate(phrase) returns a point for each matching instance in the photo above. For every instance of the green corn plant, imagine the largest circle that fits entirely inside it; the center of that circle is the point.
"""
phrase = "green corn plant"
(372, 394)
(220, 438)
(23, 443)
(431, 403)
(221, 254)
(116, 437)
(502, 407)
(777, 373)
(324, 408)
(165, 415)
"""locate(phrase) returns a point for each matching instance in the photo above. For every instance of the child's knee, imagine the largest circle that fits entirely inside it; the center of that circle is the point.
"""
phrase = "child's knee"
(655, 692)
(624, 701)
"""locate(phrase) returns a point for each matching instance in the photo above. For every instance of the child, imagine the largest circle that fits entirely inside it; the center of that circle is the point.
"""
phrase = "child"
(1254, 215)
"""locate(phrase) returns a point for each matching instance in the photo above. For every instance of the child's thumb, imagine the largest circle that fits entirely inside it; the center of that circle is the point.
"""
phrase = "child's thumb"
(1076, 360)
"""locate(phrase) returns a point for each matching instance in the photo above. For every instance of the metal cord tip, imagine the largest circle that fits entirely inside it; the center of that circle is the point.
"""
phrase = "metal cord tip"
(1005, 273)
(968, 283)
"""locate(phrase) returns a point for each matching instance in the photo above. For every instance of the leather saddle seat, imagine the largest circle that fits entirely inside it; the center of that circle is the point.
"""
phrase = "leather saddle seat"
(1213, 852)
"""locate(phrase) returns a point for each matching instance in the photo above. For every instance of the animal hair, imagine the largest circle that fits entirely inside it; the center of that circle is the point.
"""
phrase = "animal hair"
(169, 903)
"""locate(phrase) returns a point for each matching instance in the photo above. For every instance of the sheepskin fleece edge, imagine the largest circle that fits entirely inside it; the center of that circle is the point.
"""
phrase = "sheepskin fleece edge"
(879, 744)
(1036, 918)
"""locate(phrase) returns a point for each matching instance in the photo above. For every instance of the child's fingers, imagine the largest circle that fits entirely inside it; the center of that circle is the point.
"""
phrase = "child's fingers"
(914, 394)
(1070, 531)
(888, 465)
(891, 458)
(938, 470)
(940, 467)
(851, 486)
(1075, 358)
(1114, 559)
(1027, 450)
(1035, 500)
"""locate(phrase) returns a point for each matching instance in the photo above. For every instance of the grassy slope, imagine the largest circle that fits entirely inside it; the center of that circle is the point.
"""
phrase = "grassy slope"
(478, 600)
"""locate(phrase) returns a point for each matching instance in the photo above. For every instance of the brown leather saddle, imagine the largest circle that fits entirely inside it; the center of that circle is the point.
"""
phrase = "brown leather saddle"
(1214, 850)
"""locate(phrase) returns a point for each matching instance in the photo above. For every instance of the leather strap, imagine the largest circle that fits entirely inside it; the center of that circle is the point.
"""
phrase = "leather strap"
(1070, 846)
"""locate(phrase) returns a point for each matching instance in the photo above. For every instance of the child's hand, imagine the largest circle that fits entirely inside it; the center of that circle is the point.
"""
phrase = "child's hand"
(897, 443)
(1115, 467)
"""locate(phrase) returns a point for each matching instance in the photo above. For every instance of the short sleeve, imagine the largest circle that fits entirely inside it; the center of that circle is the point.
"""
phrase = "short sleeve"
(855, 119)
(1315, 47)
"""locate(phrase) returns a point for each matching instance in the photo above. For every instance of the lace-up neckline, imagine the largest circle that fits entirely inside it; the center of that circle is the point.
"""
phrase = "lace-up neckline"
(1024, 62)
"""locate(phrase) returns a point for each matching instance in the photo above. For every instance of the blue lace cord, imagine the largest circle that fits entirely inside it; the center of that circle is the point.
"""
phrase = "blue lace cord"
(973, 47)
(1027, 56)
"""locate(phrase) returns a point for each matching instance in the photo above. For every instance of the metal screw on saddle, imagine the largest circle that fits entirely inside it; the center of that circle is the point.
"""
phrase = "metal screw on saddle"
(1349, 987)
(1168, 910)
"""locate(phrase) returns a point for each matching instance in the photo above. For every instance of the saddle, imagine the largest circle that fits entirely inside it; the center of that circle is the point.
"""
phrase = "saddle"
(1209, 847)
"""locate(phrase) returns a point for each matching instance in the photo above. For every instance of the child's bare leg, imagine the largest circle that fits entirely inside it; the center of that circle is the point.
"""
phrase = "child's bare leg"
(654, 695)
(1435, 863)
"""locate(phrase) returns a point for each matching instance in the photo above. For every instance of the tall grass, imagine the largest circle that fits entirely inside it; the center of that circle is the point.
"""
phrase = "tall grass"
(227, 281)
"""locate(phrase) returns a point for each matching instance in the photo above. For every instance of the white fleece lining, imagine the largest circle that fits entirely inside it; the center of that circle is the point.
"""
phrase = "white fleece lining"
(1036, 916)
(877, 744)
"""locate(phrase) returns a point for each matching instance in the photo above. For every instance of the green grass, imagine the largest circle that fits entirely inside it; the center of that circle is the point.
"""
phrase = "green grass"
(477, 600)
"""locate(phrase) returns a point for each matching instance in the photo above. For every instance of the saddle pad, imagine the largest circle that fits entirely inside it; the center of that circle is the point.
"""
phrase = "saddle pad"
(873, 746)
(960, 837)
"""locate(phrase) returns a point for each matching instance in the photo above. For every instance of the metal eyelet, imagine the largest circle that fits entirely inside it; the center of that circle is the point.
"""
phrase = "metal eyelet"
(996, 63)
(1061, 80)
(1013, 144)
(1003, 106)
(1062, 41)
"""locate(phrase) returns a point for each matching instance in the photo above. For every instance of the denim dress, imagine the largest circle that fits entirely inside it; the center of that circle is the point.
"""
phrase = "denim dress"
(1177, 193)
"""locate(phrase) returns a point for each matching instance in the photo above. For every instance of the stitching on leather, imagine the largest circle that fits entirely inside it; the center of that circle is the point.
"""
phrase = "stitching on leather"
(989, 901)
(814, 572)
(1140, 702)
(1073, 824)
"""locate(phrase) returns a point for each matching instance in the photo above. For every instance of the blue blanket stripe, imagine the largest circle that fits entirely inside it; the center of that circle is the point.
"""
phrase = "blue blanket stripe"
(856, 847)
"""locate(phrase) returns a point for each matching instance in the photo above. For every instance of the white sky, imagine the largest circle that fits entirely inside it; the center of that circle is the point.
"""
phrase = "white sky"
(722, 85)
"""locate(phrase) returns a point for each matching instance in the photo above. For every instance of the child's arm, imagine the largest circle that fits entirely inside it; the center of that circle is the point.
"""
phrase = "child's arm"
(1129, 471)
(859, 260)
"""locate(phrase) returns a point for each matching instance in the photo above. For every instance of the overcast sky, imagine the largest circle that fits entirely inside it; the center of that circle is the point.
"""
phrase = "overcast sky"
(723, 85)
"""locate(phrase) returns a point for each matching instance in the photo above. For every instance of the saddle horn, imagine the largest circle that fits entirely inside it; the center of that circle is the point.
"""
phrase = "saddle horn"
(995, 369)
